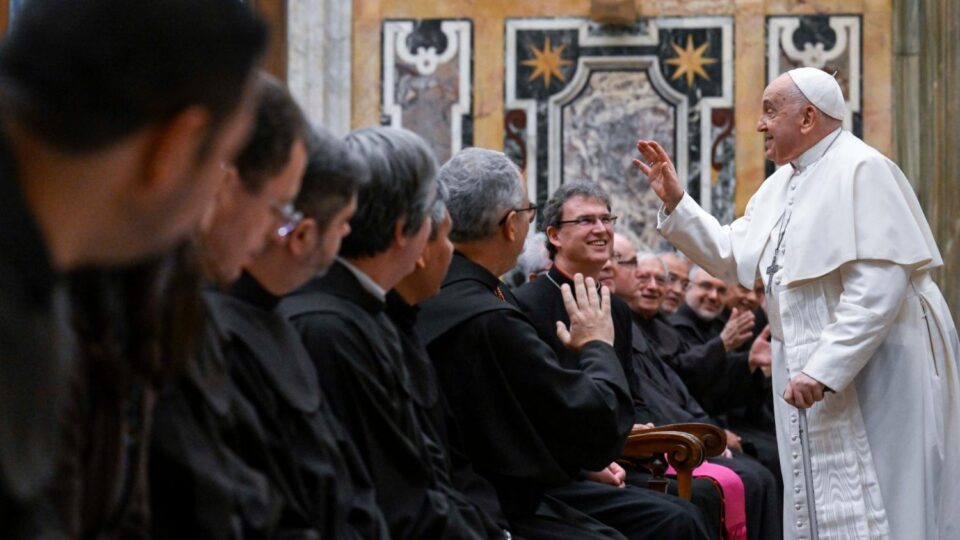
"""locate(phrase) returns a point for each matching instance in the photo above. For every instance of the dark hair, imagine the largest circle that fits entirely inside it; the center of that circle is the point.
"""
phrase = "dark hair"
(83, 75)
(553, 210)
(279, 123)
(334, 174)
(402, 172)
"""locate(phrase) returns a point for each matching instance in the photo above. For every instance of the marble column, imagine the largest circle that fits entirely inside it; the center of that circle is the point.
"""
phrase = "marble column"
(318, 60)
(927, 121)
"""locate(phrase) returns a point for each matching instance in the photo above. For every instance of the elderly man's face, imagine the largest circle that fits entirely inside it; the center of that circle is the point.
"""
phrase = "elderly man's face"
(706, 295)
(780, 121)
(582, 237)
(743, 298)
(651, 281)
(677, 269)
(624, 266)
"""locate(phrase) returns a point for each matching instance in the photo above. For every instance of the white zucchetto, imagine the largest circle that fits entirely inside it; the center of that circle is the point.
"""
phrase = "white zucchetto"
(821, 90)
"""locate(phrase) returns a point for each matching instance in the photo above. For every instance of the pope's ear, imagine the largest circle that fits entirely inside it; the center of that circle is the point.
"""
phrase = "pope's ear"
(304, 237)
(172, 151)
(809, 117)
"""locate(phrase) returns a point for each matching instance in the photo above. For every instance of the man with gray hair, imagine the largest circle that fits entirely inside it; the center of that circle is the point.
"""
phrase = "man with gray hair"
(535, 424)
(841, 243)
(356, 349)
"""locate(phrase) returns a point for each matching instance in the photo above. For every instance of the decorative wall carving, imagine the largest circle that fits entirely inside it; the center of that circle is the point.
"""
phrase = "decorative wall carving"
(427, 81)
(587, 92)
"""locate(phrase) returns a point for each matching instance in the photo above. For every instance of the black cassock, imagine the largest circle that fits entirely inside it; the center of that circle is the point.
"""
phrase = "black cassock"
(200, 485)
(313, 461)
(35, 363)
(542, 302)
(530, 424)
(741, 400)
(360, 366)
(436, 418)
(668, 396)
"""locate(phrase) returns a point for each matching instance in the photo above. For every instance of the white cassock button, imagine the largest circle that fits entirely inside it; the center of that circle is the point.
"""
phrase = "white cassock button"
(799, 523)
(796, 472)
(793, 438)
(793, 187)
(790, 201)
(795, 456)
(793, 418)
(777, 281)
(798, 506)
(796, 489)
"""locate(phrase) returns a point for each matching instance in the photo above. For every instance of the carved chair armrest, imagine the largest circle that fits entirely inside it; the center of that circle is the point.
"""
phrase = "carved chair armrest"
(713, 438)
(683, 451)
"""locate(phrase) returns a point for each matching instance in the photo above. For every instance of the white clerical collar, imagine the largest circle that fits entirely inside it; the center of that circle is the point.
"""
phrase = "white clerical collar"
(816, 151)
(366, 281)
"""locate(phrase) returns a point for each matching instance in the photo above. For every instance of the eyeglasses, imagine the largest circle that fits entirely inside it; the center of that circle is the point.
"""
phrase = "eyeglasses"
(710, 287)
(588, 221)
(289, 215)
(659, 279)
(674, 278)
(625, 262)
(532, 209)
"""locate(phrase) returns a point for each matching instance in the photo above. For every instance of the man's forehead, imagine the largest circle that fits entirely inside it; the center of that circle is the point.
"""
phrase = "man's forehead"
(582, 204)
(650, 263)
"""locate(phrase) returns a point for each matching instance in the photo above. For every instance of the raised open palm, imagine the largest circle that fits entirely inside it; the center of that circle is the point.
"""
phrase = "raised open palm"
(658, 168)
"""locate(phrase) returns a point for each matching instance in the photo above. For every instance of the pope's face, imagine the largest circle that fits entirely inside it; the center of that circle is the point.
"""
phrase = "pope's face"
(780, 122)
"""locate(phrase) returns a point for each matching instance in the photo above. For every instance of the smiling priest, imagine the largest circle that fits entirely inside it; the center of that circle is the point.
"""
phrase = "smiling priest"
(864, 348)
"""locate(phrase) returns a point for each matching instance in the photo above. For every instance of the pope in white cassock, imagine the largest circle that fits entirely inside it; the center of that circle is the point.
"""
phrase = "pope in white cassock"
(862, 338)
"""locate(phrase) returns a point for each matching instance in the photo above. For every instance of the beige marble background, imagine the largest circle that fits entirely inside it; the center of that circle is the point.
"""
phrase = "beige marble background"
(749, 34)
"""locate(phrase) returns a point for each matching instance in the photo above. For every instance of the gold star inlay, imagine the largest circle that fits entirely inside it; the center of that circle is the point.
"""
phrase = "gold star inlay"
(547, 62)
(690, 61)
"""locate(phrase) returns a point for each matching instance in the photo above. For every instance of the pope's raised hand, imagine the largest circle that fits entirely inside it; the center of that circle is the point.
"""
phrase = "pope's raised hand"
(589, 313)
(658, 167)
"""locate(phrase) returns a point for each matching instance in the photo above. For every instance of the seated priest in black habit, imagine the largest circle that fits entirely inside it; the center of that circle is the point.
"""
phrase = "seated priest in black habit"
(102, 164)
(209, 464)
(429, 400)
(579, 236)
(532, 425)
(741, 398)
(313, 460)
(357, 351)
(667, 395)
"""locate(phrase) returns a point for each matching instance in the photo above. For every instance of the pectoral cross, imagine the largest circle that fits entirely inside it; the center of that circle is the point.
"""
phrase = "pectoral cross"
(771, 270)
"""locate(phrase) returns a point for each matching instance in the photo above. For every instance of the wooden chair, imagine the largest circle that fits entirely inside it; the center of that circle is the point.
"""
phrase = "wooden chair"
(684, 445)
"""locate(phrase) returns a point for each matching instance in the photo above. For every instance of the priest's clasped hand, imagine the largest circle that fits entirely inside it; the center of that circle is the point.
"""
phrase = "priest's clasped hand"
(803, 391)
(589, 313)
(663, 176)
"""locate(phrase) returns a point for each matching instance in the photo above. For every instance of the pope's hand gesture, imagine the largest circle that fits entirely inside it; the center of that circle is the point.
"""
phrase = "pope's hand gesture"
(659, 169)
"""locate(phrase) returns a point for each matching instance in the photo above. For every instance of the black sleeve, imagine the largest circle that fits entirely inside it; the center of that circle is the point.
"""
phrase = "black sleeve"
(360, 385)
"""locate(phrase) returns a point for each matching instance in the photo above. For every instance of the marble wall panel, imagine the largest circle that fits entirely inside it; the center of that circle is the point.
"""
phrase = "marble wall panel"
(427, 81)
(579, 95)
(599, 129)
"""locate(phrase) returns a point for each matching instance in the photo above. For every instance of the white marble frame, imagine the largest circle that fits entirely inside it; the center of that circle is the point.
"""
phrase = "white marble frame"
(459, 35)
(780, 30)
(585, 67)
(651, 38)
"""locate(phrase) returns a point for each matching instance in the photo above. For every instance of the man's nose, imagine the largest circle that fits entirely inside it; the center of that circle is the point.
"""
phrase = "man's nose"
(761, 125)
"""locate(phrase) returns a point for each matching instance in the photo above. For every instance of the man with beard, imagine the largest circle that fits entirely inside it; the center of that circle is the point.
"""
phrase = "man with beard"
(532, 422)
(203, 480)
(102, 164)
(318, 471)
(580, 238)
(358, 353)
(656, 358)
(744, 385)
